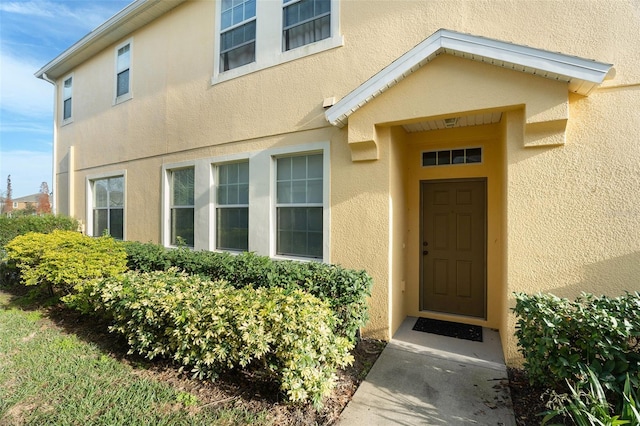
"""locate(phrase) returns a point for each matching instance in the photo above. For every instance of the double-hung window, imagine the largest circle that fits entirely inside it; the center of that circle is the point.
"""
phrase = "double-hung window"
(238, 33)
(299, 206)
(232, 207)
(67, 94)
(123, 72)
(305, 22)
(182, 203)
(108, 207)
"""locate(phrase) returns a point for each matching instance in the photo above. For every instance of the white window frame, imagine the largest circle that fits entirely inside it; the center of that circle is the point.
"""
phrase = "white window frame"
(269, 50)
(307, 149)
(90, 197)
(168, 201)
(214, 217)
(64, 98)
(126, 96)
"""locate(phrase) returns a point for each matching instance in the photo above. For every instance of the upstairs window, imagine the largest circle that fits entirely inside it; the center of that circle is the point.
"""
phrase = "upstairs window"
(232, 207)
(305, 22)
(238, 35)
(123, 71)
(67, 92)
(182, 206)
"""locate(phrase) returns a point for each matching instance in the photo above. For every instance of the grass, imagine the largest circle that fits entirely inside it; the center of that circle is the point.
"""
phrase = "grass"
(48, 377)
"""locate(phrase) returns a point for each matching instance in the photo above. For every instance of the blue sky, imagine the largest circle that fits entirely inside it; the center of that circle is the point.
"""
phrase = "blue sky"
(33, 32)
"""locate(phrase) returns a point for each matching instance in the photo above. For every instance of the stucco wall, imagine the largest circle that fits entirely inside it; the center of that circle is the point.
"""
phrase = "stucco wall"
(569, 215)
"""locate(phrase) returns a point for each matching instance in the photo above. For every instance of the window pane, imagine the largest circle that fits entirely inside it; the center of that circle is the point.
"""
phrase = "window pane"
(474, 155)
(183, 187)
(299, 231)
(444, 157)
(116, 192)
(428, 158)
(284, 168)
(116, 223)
(66, 92)
(243, 172)
(66, 109)
(237, 57)
(123, 83)
(299, 167)
(100, 220)
(124, 57)
(314, 191)
(182, 226)
(315, 166)
(100, 193)
(283, 190)
(299, 191)
(232, 226)
(457, 156)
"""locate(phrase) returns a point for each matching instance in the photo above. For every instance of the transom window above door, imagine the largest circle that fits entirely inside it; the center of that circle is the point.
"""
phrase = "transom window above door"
(452, 156)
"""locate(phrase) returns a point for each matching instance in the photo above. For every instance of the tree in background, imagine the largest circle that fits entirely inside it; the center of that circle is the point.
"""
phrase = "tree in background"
(44, 206)
(8, 200)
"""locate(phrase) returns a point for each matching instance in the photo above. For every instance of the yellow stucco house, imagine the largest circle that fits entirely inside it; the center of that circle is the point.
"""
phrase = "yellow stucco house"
(459, 151)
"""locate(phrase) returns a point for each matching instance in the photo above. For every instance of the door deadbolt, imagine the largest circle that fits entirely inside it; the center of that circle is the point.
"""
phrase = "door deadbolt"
(425, 252)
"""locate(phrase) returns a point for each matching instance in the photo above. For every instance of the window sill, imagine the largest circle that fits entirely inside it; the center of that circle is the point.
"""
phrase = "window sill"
(281, 58)
(66, 122)
(122, 99)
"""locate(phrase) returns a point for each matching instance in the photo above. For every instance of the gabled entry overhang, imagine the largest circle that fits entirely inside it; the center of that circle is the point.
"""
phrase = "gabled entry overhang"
(581, 75)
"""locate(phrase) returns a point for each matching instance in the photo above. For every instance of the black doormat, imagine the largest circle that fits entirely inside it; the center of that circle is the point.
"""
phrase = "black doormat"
(450, 329)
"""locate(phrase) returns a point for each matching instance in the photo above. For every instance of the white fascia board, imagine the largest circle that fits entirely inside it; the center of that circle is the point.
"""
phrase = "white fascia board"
(571, 67)
(558, 63)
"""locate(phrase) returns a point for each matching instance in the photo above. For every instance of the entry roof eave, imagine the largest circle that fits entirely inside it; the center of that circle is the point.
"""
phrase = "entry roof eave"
(581, 74)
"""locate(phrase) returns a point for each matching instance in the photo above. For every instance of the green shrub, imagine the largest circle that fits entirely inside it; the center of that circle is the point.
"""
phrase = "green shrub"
(210, 327)
(11, 227)
(62, 260)
(557, 337)
(345, 290)
(588, 405)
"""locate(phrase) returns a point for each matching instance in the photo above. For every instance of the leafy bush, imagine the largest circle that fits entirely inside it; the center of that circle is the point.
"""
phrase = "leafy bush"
(211, 326)
(11, 227)
(588, 405)
(345, 290)
(62, 260)
(559, 337)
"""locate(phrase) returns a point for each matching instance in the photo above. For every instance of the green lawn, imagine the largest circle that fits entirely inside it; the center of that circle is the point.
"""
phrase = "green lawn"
(48, 377)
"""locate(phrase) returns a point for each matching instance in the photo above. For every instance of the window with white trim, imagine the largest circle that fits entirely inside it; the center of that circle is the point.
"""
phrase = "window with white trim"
(108, 207)
(238, 35)
(123, 72)
(232, 207)
(253, 35)
(299, 206)
(305, 22)
(67, 94)
(182, 206)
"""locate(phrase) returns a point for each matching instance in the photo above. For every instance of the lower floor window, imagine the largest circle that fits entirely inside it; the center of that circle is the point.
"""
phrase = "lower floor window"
(182, 207)
(232, 211)
(299, 206)
(108, 207)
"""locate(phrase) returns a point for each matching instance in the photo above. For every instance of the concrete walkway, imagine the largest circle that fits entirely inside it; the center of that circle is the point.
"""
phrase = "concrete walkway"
(425, 379)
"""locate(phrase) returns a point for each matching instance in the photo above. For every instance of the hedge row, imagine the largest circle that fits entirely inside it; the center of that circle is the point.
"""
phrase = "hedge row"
(560, 338)
(210, 326)
(11, 227)
(61, 260)
(345, 290)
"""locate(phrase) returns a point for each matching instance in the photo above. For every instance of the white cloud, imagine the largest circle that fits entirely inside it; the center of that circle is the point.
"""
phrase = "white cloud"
(28, 169)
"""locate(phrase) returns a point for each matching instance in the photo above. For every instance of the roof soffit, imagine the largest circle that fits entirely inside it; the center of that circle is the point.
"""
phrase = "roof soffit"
(582, 75)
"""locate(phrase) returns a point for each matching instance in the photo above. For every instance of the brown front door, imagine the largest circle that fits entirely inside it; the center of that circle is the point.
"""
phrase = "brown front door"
(454, 246)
